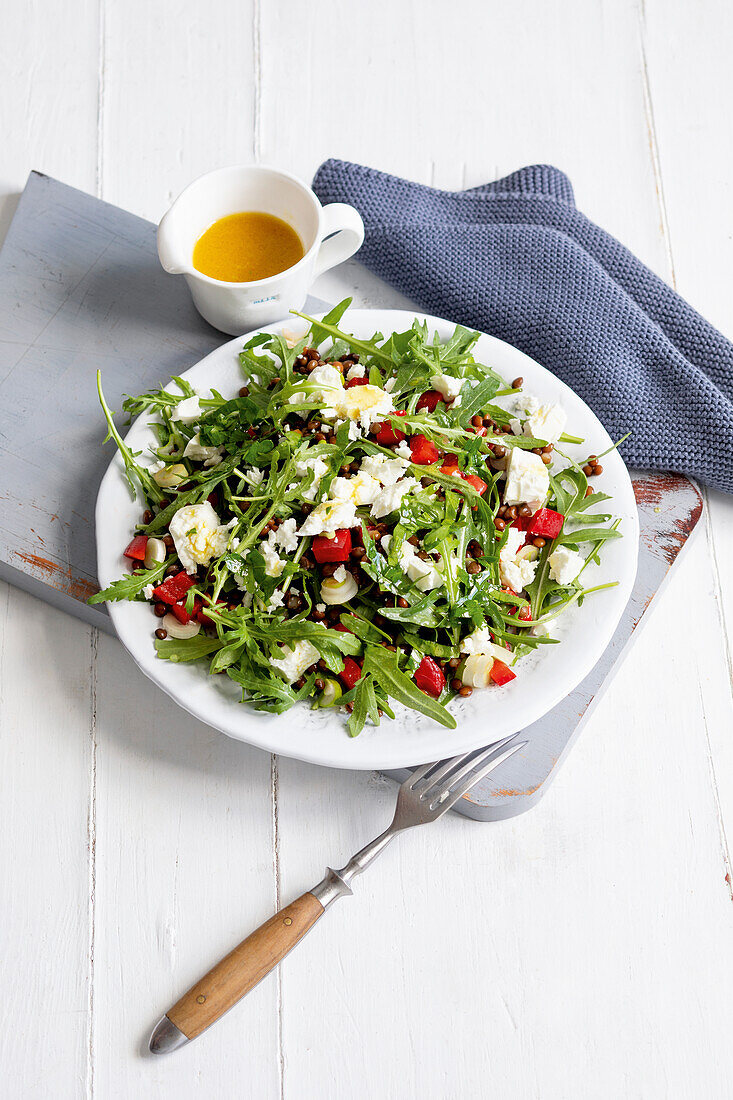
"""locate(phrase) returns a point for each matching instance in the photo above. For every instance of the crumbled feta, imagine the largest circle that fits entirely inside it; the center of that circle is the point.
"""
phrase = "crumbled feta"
(565, 564)
(199, 452)
(391, 496)
(321, 607)
(547, 422)
(527, 479)
(340, 575)
(197, 535)
(254, 475)
(364, 404)
(403, 450)
(274, 564)
(305, 465)
(357, 371)
(187, 410)
(275, 600)
(479, 641)
(389, 385)
(328, 378)
(515, 426)
(329, 517)
(330, 383)
(425, 574)
(446, 385)
(296, 660)
(361, 489)
(386, 470)
(516, 573)
(285, 537)
(148, 591)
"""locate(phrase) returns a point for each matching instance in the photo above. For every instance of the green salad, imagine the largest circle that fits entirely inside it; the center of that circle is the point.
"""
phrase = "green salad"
(366, 522)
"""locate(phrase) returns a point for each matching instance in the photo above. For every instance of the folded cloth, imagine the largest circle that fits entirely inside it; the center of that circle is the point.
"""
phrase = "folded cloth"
(517, 259)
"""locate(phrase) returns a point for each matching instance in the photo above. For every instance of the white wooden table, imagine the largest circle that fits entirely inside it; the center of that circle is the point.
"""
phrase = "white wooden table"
(582, 950)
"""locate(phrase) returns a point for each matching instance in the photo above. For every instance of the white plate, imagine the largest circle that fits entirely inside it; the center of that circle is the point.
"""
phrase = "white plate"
(543, 678)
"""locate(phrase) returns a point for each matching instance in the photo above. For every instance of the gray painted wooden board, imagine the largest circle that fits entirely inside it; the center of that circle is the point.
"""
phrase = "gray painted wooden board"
(81, 288)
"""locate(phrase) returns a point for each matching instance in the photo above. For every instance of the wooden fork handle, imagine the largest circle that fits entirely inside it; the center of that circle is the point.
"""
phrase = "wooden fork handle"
(244, 967)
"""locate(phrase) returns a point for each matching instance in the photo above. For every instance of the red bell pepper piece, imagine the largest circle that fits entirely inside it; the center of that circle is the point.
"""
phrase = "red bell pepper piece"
(450, 466)
(173, 588)
(179, 610)
(357, 382)
(476, 482)
(501, 673)
(546, 523)
(386, 434)
(136, 549)
(429, 678)
(350, 672)
(423, 450)
(335, 549)
(429, 401)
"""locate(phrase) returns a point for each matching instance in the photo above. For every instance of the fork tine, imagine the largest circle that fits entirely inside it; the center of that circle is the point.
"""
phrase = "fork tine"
(467, 760)
(471, 776)
(422, 773)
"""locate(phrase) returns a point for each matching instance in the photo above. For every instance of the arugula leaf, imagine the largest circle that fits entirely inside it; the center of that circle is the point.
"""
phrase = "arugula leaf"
(384, 667)
(131, 585)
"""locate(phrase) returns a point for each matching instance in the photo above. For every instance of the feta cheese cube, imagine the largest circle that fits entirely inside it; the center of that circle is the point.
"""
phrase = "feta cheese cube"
(565, 564)
(446, 385)
(296, 660)
(197, 535)
(329, 517)
(547, 422)
(187, 410)
(357, 371)
(527, 478)
(387, 471)
(274, 564)
(199, 452)
(479, 641)
(285, 537)
(390, 498)
(363, 403)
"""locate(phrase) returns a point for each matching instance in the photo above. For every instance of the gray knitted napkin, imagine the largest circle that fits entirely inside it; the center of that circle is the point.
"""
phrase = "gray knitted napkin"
(517, 259)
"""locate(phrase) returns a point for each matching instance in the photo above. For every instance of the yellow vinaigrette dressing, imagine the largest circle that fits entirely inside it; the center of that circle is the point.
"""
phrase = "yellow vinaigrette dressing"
(241, 248)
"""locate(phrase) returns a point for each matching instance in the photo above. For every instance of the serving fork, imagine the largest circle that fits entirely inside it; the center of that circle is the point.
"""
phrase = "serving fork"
(426, 795)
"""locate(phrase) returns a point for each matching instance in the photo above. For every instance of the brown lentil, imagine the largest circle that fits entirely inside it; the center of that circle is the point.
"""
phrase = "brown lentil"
(161, 634)
(456, 684)
(168, 542)
(597, 469)
(466, 691)
(147, 516)
(473, 568)
(160, 610)
(589, 491)
(499, 524)
(244, 391)
(454, 662)
(538, 542)
(588, 470)
(517, 383)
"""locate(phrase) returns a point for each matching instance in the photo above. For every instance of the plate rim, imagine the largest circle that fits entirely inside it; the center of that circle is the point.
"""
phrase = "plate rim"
(259, 727)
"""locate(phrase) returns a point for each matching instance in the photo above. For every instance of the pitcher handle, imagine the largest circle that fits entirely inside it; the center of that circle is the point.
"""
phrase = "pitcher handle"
(344, 228)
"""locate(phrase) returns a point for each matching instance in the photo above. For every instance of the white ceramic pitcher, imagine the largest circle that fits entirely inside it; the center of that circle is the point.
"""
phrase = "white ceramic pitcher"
(329, 236)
